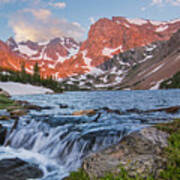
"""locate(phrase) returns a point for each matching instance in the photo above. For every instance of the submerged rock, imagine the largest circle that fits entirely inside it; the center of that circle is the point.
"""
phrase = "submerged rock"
(16, 169)
(63, 106)
(138, 153)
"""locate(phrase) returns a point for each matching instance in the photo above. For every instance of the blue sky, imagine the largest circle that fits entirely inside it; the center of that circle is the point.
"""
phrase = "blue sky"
(40, 20)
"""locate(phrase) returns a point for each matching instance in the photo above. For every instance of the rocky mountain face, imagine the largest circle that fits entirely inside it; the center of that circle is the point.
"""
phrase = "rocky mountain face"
(62, 57)
(138, 68)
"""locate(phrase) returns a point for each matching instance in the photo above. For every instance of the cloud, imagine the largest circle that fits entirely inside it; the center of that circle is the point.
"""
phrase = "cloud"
(5, 1)
(161, 3)
(143, 8)
(92, 20)
(41, 14)
(36, 27)
(154, 2)
(10, 1)
(60, 5)
(168, 2)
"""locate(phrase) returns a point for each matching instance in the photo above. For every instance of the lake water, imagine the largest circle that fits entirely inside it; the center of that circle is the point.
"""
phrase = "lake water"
(58, 141)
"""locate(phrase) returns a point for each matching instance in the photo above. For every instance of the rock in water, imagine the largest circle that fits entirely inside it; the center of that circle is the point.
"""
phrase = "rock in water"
(89, 112)
(138, 153)
(16, 169)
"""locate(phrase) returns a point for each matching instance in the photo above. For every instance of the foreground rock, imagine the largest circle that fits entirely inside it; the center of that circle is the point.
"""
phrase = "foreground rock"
(138, 153)
(16, 169)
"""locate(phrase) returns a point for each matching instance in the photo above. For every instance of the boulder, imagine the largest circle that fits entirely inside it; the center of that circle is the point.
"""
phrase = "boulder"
(16, 169)
(139, 153)
(89, 112)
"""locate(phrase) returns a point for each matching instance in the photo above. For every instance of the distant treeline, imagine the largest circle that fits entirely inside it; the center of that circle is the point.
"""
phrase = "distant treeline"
(34, 79)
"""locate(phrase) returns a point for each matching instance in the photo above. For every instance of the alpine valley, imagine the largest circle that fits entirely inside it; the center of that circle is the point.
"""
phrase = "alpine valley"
(119, 53)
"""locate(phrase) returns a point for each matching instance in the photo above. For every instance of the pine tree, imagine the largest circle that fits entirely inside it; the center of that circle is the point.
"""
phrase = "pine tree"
(36, 75)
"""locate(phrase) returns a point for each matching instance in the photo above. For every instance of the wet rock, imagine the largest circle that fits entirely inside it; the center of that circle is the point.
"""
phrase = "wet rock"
(18, 113)
(33, 107)
(89, 112)
(4, 118)
(134, 110)
(3, 132)
(63, 106)
(173, 109)
(138, 153)
(108, 110)
(16, 169)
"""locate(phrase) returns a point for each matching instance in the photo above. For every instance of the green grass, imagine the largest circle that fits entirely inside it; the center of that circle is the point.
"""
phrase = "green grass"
(6, 102)
(172, 153)
(172, 171)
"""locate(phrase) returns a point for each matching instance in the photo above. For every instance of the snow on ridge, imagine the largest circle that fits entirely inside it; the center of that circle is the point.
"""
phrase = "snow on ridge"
(158, 23)
(23, 49)
(161, 28)
(174, 21)
(108, 51)
(137, 21)
(45, 43)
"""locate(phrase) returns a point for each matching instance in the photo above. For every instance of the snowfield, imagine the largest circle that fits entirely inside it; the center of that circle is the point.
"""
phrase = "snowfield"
(23, 89)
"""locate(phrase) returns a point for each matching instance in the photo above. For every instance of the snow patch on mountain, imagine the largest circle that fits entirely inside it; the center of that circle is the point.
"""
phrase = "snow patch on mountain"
(23, 49)
(137, 21)
(156, 85)
(87, 60)
(109, 52)
(162, 28)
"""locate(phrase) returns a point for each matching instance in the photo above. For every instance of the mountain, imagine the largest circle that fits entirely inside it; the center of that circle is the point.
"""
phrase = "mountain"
(63, 57)
(9, 59)
(138, 68)
(58, 49)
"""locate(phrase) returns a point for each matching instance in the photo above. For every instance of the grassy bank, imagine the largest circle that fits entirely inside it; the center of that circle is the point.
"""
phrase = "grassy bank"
(6, 102)
(172, 153)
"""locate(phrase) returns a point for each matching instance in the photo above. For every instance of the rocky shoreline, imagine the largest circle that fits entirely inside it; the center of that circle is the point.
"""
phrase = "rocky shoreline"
(15, 169)
(139, 154)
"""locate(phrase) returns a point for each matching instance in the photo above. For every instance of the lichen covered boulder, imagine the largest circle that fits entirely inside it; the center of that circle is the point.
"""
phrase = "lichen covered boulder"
(139, 153)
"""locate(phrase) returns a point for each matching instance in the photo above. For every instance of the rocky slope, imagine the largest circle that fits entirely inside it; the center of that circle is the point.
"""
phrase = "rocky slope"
(63, 57)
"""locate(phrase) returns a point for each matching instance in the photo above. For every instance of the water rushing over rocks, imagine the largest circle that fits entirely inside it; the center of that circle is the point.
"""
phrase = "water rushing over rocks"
(58, 141)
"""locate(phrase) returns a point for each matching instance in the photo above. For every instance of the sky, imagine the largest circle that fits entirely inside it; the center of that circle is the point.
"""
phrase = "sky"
(41, 20)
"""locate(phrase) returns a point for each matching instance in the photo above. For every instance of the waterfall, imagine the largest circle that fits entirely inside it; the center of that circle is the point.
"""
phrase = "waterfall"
(65, 144)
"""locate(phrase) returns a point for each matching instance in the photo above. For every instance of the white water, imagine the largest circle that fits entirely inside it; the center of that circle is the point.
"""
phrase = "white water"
(57, 141)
